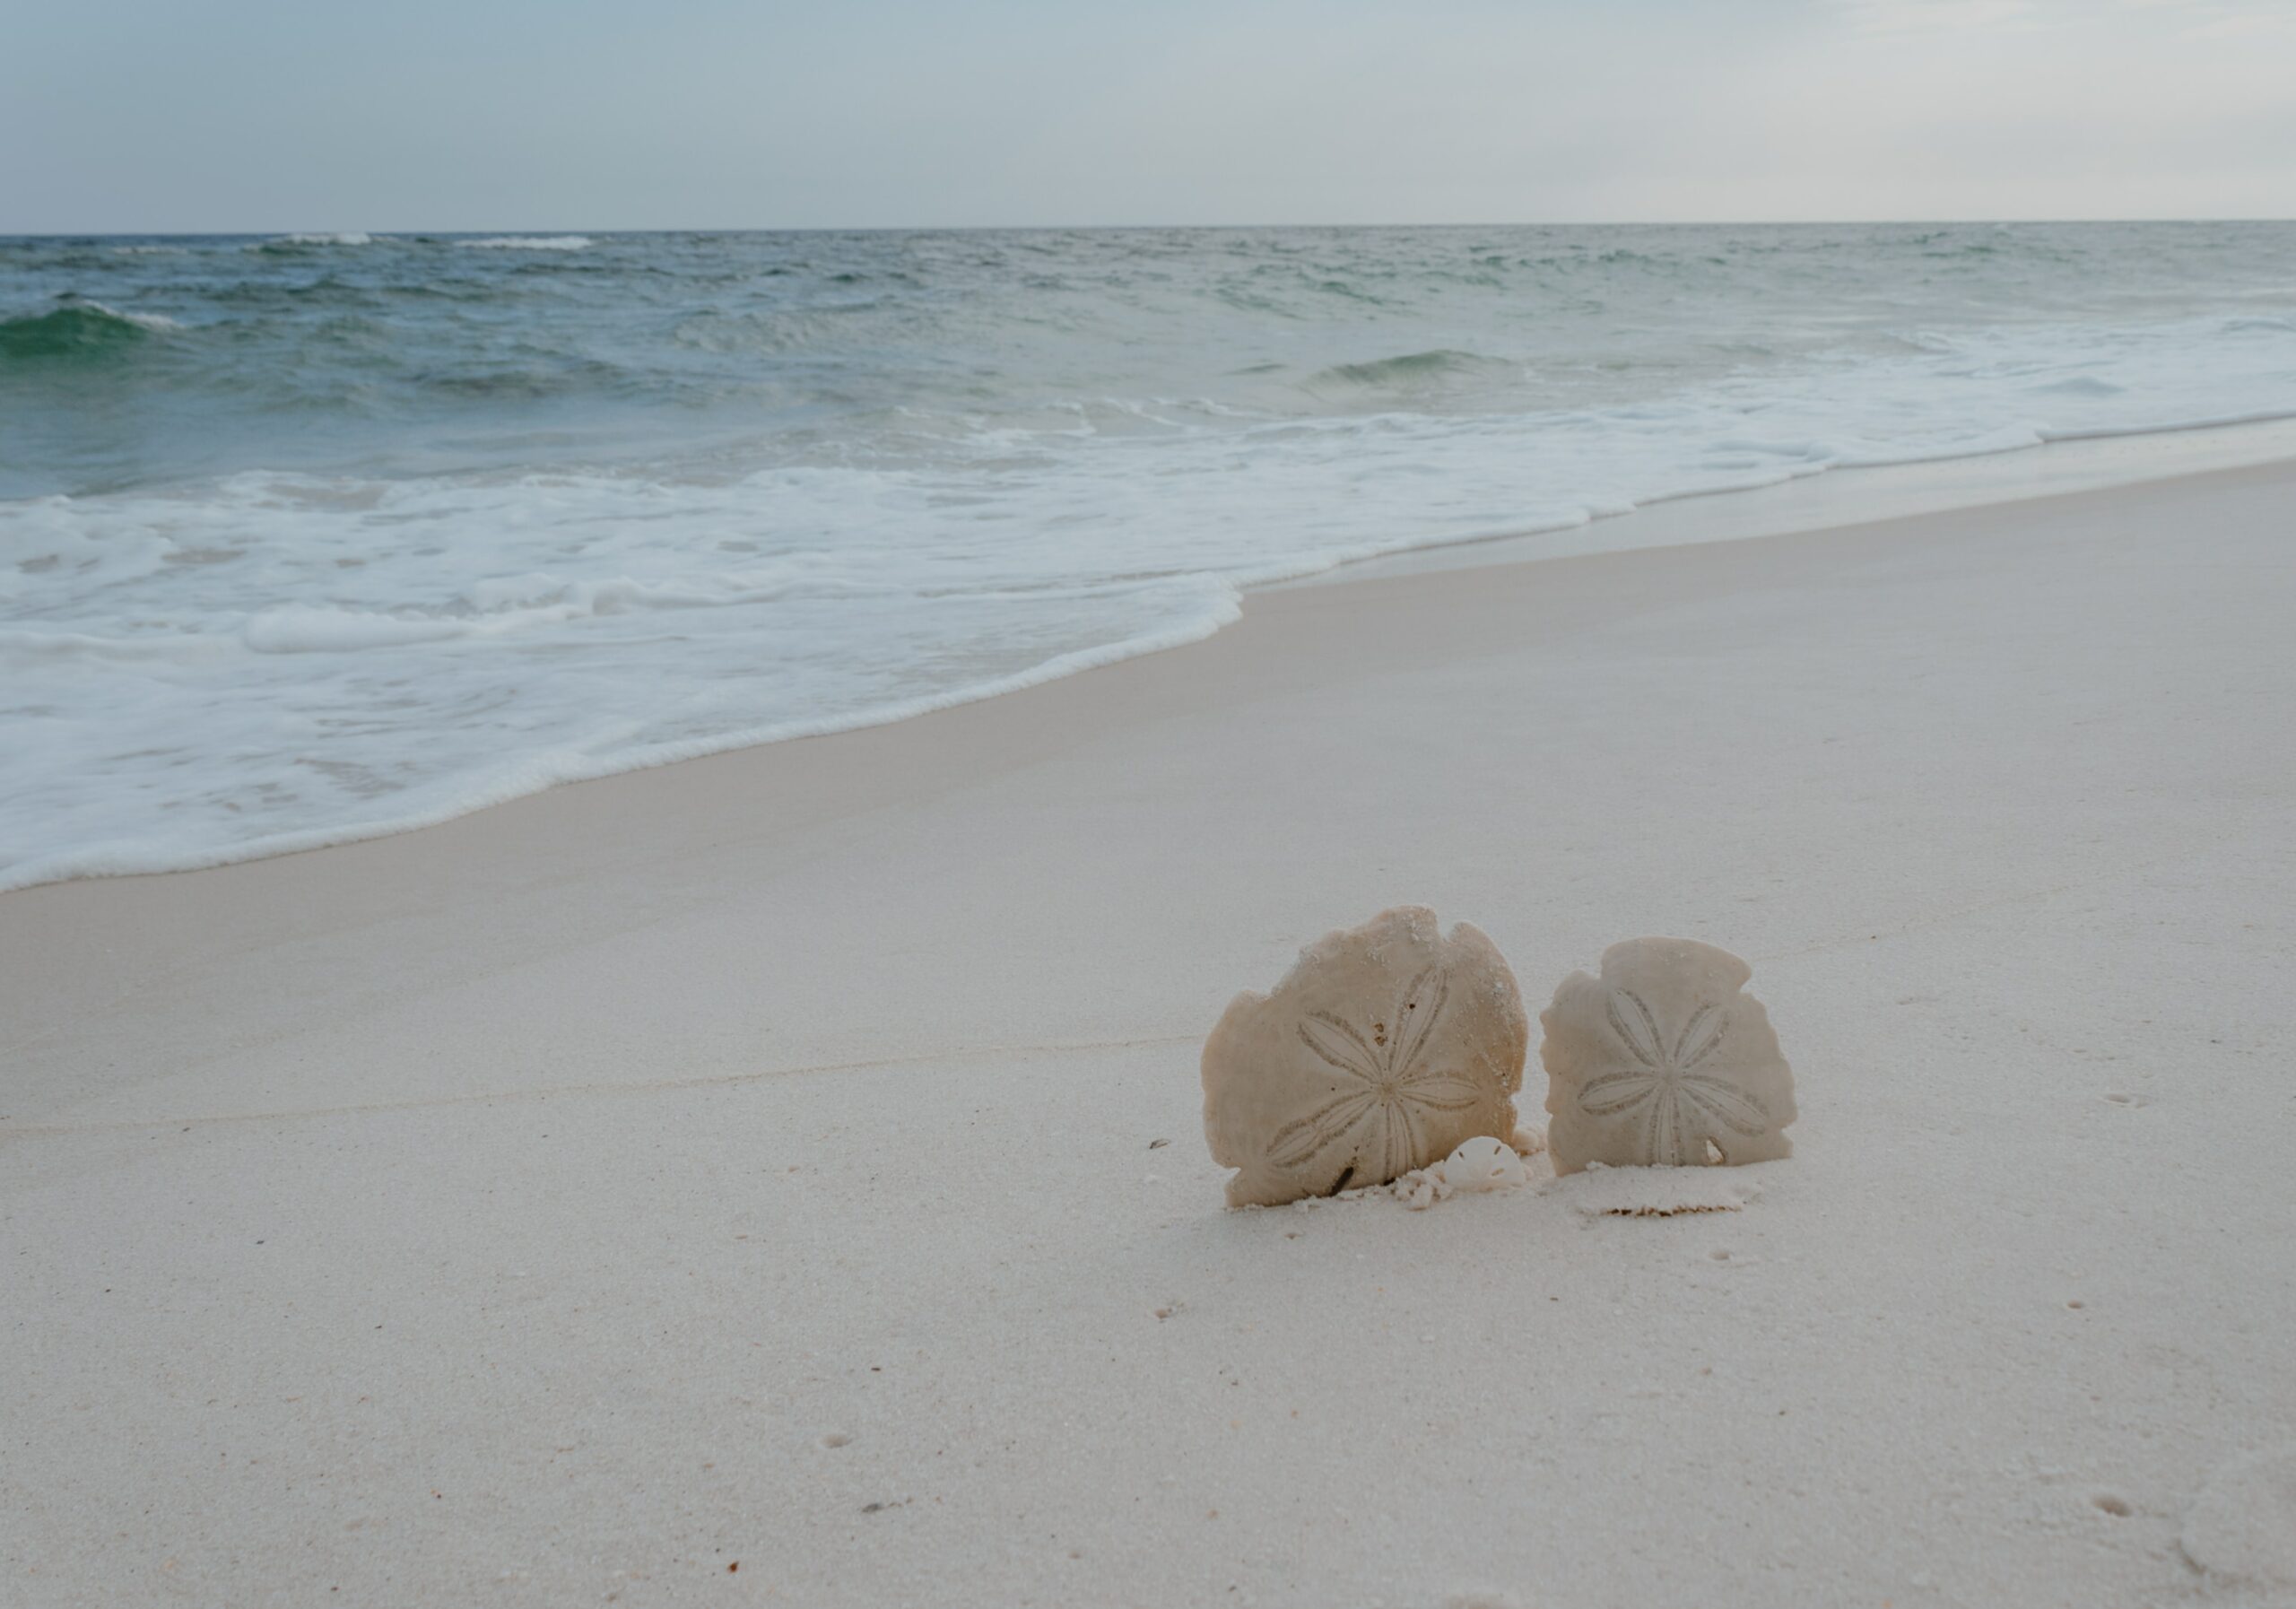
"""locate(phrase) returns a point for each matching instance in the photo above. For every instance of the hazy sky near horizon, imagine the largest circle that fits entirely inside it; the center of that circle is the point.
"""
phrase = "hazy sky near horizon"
(132, 115)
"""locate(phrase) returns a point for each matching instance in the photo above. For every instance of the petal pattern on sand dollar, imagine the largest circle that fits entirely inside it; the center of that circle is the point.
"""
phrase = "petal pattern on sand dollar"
(1380, 1051)
(1663, 1061)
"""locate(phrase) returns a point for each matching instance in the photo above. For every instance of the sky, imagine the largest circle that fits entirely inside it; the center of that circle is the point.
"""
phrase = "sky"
(228, 116)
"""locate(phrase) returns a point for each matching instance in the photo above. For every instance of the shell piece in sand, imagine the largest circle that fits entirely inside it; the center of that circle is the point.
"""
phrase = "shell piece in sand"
(1382, 1049)
(1663, 1062)
(1482, 1163)
(1419, 1189)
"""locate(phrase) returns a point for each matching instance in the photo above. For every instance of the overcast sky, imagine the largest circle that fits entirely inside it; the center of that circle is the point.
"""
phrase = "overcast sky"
(263, 115)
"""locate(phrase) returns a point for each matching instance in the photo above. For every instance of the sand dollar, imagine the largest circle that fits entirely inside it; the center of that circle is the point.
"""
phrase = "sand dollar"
(1383, 1048)
(1663, 1061)
(1484, 1163)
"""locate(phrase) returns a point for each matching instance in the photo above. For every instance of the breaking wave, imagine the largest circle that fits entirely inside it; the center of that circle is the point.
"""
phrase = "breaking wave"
(1412, 372)
(530, 243)
(79, 329)
(308, 241)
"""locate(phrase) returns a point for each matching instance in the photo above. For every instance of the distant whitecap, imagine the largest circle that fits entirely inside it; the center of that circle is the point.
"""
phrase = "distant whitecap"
(529, 243)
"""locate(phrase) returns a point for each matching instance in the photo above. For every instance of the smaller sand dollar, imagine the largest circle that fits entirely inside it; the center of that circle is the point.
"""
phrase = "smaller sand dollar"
(1381, 1050)
(1663, 1061)
(1482, 1163)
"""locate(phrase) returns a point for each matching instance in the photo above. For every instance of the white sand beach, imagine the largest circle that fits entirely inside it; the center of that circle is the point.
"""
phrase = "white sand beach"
(778, 1178)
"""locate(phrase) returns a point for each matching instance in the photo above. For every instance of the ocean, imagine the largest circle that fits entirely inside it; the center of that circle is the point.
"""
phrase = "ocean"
(313, 537)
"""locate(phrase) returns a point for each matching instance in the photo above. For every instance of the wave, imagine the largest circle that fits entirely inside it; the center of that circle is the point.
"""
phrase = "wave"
(1413, 370)
(714, 331)
(493, 609)
(304, 241)
(33, 649)
(525, 376)
(79, 329)
(529, 243)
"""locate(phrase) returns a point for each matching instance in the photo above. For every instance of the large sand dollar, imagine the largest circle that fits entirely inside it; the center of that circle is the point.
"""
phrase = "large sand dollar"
(1665, 1062)
(1382, 1049)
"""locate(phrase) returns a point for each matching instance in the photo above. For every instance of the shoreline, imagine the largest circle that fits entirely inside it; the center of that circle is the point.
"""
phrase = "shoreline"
(1848, 495)
(1836, 497)
(790, 1157)
(581, 845)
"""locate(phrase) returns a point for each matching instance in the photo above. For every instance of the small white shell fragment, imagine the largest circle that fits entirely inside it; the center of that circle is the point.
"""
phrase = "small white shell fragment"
(1482, 1163)
(1383, 1048)
(1421, 1189)
(1663, 1061)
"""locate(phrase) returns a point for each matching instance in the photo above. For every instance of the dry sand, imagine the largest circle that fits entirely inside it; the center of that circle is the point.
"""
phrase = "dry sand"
(750, 1163)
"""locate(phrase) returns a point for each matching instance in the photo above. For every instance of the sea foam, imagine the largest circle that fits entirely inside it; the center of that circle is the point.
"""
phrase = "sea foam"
(530, 243)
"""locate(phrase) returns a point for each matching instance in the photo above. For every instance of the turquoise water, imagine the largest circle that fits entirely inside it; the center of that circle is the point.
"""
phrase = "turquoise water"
(308, 538)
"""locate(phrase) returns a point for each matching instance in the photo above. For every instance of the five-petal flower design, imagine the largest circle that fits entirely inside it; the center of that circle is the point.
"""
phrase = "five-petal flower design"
(1664, 1062)
(1392, 1090)
(1673, 1102)
(1379, 1052)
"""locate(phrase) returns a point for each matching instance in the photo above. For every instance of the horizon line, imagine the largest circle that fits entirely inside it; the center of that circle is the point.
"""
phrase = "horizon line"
(388, 231)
